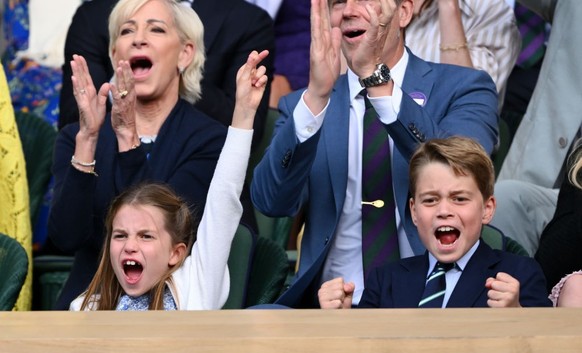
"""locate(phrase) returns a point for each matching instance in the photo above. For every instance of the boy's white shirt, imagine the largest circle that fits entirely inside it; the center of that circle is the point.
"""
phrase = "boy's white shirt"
(203, 282)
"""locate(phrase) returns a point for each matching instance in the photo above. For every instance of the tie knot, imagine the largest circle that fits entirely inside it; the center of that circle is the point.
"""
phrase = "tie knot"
(367, 104)
(443, 267)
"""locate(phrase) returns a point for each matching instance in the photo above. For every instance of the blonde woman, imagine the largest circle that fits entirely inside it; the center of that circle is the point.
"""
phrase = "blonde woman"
(559, 253)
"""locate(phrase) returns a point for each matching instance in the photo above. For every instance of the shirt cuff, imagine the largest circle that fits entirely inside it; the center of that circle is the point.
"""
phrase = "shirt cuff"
(388, 107)
(306, 123)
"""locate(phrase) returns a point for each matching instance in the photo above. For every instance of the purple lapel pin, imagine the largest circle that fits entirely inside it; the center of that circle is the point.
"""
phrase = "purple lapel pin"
(419, 98)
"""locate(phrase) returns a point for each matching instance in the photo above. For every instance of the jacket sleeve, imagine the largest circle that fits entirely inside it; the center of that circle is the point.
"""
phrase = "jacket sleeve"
(72, 210)
(207, 286)
(374, 291)
(532, 284)
(280, 181)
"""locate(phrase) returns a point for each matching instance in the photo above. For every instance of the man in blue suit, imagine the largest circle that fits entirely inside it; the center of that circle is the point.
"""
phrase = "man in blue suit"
(451, 185)
(314, 161)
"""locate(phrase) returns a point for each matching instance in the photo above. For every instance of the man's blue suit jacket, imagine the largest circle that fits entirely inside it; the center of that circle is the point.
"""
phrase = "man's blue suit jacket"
(312, 175)
(401, 284)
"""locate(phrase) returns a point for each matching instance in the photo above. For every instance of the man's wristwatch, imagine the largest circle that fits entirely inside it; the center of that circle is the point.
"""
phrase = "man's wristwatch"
(379, 77)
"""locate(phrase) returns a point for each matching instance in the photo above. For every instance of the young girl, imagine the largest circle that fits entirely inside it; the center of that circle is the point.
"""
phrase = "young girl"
(568, 291)
(145, 262)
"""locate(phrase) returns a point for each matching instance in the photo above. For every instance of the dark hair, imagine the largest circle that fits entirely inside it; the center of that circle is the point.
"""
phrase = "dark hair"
(105, 290)
(464, 155)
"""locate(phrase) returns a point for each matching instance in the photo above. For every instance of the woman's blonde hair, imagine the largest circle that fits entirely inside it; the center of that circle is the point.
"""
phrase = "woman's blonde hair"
(104, 291)
(189, 28)
(574, 173)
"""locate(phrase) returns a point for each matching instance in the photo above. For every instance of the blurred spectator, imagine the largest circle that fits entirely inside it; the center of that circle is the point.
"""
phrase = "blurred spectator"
(472, 33)
(527, 186)
(14, 202)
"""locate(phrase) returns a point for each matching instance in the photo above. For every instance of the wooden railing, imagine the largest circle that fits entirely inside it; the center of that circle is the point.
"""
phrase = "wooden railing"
(543, 330)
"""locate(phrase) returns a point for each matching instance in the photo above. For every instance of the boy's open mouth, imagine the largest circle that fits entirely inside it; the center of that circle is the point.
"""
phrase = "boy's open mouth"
(447, 235)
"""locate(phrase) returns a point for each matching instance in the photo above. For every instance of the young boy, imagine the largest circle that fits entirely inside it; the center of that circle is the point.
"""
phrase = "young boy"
(451, 183)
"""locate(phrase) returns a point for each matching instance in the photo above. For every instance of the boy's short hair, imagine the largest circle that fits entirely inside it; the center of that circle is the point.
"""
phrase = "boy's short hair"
(464, 155)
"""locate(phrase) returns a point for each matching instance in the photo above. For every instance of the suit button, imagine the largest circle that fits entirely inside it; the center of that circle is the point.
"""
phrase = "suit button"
(326, 240)
(421, 137)
(563, 142)
(413, 128)
(286, 159)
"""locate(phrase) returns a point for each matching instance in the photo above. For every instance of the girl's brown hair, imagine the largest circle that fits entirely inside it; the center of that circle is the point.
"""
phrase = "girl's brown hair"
(104, 290)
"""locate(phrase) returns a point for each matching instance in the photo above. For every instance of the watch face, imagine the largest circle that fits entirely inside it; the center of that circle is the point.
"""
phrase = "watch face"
(380, 76)
(384, 72)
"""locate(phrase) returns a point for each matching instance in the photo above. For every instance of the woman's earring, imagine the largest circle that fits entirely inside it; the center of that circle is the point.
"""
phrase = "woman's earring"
(181, 70)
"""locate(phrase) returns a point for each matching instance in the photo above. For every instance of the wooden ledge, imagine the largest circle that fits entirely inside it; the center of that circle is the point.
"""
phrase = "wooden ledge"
(540, 330)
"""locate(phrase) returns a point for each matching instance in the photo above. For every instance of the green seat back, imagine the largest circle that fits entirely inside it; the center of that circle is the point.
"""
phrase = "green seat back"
(13, 271)
(497, 240)
(275, 228)
(239, 265)
(50, 274)
(38, 138)
(268, 274)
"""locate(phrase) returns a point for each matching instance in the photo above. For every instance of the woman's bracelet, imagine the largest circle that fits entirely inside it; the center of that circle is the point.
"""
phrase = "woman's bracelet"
(77, 164)
(91, 171)
(83, 164)
(456, 47)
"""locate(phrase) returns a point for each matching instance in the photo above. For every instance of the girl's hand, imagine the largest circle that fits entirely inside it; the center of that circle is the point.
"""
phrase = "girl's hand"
(251, 82)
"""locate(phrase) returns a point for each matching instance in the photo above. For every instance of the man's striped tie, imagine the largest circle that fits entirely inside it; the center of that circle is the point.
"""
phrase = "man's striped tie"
(379, 236)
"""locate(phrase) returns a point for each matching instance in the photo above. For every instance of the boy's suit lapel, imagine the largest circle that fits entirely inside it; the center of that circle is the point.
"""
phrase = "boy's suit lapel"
(410, 282)
(471, 286)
